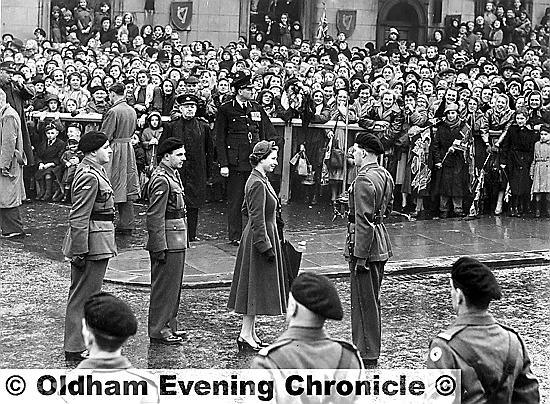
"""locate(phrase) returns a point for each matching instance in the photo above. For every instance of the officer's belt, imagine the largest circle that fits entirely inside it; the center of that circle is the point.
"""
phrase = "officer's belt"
(377, 219)
(103, 217)
(177, 214)
(240, 135)
(123, 140)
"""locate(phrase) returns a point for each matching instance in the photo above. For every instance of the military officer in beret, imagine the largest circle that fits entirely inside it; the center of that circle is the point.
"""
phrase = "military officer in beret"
(90, 239)
(107, 323)
(305, 344)
(368, 245)
(492, 358)
(195, 134)
(240, 124)
(167, 242)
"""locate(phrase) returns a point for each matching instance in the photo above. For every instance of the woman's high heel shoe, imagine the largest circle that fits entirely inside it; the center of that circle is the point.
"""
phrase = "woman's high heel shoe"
(245, 346)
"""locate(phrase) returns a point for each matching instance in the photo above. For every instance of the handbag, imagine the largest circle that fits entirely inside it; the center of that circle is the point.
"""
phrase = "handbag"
(336, 154)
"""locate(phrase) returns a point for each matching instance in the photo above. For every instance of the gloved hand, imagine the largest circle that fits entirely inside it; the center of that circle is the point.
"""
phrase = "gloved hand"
(79, 261)
(159, 256)
(269, 255)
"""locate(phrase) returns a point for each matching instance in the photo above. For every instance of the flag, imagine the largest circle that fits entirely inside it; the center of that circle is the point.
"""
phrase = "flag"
(322, 29)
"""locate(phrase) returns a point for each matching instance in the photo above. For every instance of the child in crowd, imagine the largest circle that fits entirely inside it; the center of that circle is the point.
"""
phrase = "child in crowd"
(70, 159)
(150, 138)
(48, 157)
(540, 172)
(141, 162)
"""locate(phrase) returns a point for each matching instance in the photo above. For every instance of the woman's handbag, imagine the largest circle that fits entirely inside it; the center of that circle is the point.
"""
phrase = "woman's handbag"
(336, 154)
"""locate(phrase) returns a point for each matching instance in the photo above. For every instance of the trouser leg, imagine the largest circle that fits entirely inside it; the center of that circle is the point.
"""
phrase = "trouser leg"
(165, 294)
(126, 219)
(366, 326)
(457, 204)
(235, 198)
(192, 221)
(84, 283)
(10, 220)
(444, 202)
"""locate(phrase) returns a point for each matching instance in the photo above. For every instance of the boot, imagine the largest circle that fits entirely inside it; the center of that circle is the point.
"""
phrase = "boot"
(58, 195)
(537, 209)
(48, 194)
(40, 189)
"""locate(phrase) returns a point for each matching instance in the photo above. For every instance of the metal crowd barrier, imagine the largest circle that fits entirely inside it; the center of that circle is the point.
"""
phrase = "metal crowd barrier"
(277, 122)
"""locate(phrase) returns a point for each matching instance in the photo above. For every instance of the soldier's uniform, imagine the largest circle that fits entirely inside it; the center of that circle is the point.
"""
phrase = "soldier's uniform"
(492, 358)
(370, 198)
(167, 229)
(91, 235)
(307, 348)
(237, 129)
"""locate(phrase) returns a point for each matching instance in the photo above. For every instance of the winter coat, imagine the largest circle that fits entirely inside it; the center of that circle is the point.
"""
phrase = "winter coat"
(259, 286)
(12, 157)
(119, 124)
(540, 169)
(517, 154)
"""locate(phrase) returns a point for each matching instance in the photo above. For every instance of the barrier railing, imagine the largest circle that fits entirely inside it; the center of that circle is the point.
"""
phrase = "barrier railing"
(277, 122)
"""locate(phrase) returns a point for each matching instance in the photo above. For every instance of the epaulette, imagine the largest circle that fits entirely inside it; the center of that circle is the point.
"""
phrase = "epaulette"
(273, 347)
(449, 334)
(86, 168)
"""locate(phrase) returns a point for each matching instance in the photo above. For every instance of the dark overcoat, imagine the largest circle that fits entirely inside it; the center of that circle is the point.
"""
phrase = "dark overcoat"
(259, 286)
(453, 176)
(195, 134)
(518, 149)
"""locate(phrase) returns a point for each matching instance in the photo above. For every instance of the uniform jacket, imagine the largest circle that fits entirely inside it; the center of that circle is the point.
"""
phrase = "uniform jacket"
(91, 194)
(490, 344)
(119, 124)
(370, 197)
(195, 134)
(237, 130)
(166, 201)
(307, 348)
(12, 156)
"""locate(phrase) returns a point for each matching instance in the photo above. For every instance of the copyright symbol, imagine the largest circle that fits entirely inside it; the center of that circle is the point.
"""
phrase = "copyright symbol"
(15, 385)
(445, 385)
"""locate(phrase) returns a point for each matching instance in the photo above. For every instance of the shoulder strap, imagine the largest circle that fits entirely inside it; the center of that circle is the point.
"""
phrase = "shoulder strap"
(483, 372)
(349, 354)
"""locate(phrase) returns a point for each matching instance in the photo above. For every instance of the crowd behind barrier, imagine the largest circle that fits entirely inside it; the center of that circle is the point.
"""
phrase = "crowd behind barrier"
(449, 112)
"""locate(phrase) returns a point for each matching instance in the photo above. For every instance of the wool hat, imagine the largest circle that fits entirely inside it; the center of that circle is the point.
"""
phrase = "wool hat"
(370, 142)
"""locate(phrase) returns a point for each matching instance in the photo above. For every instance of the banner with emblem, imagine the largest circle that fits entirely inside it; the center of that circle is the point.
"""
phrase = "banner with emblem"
(345, 21)
(181, 14)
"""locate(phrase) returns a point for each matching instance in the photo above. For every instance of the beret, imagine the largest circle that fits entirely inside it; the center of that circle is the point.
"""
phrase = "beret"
(95, 89)
(370, 142)
(263, 148)
(117, 88)
(169, 145)
(241, 80)
(475, 279)
(318, 294)
(109, 316)
(183, 99)
(91, 141)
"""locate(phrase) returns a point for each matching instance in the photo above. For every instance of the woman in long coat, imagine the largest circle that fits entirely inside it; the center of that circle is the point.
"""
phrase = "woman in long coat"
(259, 284)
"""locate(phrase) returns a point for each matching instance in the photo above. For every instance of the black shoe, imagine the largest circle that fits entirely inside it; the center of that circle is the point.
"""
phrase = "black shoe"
(169, 340)
(76, 356)
(245, 346)
(235, 243)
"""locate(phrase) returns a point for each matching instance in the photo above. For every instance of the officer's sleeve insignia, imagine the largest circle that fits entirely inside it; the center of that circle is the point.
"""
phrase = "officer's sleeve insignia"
(435, 354)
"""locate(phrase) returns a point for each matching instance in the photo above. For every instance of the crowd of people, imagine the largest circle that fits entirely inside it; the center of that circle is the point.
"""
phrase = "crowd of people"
(464, 118)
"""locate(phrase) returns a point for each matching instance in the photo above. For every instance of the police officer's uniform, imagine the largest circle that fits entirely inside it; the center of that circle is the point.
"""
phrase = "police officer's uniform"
(91, 235)
(494, 364)
(237, 129)
(167, 229)
(370, 198)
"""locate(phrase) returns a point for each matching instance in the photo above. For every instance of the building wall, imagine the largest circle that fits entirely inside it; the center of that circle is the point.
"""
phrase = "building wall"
(19, 18)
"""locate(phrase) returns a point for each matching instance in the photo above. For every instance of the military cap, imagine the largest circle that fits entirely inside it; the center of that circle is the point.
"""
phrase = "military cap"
(328, 38)
(169, 145)
(451, 107)
(51, 126)
(91, 141)
(192, 80)
(184, 99)
(370, 143)
(95, 89)
(163, 56)
(38, 79)
(475, 279)
(318, 294)
(242, 80)
(109, 316)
